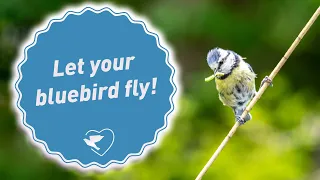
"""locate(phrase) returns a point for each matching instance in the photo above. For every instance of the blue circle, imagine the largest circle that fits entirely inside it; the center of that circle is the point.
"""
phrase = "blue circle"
(69, 105)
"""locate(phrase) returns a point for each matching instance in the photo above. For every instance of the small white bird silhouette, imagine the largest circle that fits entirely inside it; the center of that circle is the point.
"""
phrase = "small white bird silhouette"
(93, 140)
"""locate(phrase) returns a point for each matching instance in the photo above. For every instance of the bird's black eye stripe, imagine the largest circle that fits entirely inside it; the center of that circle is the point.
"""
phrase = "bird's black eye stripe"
(223, 59)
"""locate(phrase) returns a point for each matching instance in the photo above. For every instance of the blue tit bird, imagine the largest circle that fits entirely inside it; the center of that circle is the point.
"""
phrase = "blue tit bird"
(235, 80)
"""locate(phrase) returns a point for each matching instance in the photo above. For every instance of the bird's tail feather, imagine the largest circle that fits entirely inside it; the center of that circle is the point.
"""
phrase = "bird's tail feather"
(238, 112)
(248, 117)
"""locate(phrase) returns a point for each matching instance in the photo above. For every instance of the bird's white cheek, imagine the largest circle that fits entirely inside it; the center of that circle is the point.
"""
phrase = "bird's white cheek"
(212, 67)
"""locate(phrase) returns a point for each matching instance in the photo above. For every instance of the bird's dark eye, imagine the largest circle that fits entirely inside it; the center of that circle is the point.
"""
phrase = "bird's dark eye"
(221, 62)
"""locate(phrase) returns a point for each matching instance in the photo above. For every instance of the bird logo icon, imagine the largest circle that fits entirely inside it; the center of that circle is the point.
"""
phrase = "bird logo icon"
(93, 140)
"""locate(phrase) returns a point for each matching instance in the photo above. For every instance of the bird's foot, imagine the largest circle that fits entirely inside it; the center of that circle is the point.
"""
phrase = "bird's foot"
(240, 120)
(268, 80)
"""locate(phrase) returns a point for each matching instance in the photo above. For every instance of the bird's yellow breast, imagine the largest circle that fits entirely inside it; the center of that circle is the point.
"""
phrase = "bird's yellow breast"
(240, 74)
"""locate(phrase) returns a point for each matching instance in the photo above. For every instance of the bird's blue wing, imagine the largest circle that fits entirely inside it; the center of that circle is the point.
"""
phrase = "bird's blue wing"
(250, 67)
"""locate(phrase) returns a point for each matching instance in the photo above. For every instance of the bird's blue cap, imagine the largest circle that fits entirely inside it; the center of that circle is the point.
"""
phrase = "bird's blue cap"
(213, 55)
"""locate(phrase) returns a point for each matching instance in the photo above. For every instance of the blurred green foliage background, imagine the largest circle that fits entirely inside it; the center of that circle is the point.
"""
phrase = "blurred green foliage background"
(282, 142)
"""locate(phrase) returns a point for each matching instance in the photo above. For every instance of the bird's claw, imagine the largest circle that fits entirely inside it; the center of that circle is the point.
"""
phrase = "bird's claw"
(268, 80)
(240, 120)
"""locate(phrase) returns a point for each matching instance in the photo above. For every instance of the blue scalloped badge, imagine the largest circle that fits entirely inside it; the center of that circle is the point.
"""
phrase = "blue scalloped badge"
(95, 86)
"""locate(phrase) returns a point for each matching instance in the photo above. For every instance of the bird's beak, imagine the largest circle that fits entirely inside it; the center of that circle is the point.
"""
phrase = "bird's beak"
(215, 74)
(211, 77)
(215, 71)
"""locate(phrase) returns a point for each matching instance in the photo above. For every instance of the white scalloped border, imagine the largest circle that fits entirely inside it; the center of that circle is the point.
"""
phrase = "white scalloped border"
(44, 27)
